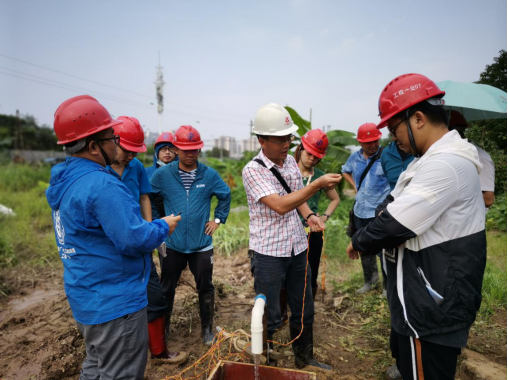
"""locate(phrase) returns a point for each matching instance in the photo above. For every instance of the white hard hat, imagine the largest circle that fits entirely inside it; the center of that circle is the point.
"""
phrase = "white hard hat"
(273, 120)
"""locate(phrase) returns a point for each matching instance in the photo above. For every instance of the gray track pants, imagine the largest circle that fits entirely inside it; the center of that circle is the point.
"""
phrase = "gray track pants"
(116, 349)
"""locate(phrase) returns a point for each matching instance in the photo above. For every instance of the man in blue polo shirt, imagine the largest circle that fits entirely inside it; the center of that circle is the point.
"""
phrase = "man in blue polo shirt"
(372, 191)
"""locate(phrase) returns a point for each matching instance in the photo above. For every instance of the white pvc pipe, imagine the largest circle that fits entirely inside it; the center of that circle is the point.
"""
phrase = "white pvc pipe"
(256, 324)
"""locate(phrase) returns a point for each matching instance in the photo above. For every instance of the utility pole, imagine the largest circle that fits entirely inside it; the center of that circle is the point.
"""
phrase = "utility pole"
(310, 118)
(159, 90)
(18, 140)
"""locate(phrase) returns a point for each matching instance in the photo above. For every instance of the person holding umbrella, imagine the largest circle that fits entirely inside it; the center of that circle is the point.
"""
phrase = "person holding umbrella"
(488, 173)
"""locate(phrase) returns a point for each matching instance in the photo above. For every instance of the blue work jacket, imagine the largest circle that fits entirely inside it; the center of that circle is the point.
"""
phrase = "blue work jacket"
(189, 236)
(102, 240)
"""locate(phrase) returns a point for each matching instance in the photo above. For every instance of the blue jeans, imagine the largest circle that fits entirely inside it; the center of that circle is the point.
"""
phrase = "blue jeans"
(269, 275)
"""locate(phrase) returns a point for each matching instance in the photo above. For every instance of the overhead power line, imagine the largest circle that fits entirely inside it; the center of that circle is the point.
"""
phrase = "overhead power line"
(114, 87)
(119, 100)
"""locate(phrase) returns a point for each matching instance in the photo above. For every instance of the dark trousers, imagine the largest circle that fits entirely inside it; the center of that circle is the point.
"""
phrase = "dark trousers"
(315, 249)
(269, 275)
(369, 264)
(157, 304)
(200, 265)
(426, 360)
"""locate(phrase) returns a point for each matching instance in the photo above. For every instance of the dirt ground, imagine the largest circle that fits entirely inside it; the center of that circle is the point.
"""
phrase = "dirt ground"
(39, 339)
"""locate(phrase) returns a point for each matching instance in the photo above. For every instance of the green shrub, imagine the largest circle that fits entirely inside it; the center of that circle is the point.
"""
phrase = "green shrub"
(496, 216)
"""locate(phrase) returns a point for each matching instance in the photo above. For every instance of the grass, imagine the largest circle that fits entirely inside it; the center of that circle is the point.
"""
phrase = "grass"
(27, 237)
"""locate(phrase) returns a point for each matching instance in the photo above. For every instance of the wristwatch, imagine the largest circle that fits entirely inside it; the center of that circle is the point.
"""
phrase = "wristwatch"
(217, 220)
(327, 216)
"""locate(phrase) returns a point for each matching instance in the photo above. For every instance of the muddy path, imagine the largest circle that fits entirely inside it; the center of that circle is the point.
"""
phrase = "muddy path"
(39, 339)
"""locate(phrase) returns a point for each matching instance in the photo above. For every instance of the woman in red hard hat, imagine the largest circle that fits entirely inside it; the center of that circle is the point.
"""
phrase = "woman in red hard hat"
(164, 153)
(133, 175)
(308, 154)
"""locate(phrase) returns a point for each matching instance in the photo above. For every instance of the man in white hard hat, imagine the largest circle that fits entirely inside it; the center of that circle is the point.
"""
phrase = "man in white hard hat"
(278, 242)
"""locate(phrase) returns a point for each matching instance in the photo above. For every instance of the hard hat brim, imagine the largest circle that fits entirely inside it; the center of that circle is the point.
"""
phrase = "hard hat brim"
(370, 139)
(284, 132)
(188, 146)
(73, 137)
(133, 148)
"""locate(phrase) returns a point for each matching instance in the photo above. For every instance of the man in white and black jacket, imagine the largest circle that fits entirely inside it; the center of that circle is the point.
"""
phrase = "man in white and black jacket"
(432, 230)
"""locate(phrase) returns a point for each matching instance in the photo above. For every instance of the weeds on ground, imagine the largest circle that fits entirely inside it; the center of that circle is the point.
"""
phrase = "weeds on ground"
(234, 235)
(28, 236)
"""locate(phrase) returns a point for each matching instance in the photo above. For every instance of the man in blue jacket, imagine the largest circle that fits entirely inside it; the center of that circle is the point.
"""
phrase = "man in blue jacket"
(103, 242)
(187, 187)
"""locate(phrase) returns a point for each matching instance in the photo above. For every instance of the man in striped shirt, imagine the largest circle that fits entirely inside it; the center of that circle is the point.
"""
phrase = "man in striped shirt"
(278, 242)
(187, 186)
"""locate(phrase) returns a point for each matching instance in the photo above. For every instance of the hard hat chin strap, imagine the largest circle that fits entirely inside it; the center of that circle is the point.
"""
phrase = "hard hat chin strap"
(104, 155)
(410, 135)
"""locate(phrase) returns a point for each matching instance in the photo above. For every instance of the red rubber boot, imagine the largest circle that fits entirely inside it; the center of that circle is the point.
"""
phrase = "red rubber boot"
(157, 344)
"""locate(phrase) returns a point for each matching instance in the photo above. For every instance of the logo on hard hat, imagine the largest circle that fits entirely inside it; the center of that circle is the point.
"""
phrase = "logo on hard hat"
(319, 143)
(288, 121)
(165, 136)
(190, 136)
(59, 228)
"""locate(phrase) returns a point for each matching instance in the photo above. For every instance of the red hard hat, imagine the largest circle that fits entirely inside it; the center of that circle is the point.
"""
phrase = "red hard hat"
(164, 137)
(404, 92)
(80, 117)
(187, 138)
(131, 134)
(315, 142)
(368, 132)
(457, 120)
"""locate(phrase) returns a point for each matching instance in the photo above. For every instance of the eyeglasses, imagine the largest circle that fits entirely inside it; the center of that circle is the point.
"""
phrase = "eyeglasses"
(166, 149)
(128, 152)
(394, 128)
(115, 138)
(283, 140)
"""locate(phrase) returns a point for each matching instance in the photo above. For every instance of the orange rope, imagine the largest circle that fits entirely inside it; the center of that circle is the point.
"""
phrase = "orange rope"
(303, 301)
(323, 269)
(213, 355)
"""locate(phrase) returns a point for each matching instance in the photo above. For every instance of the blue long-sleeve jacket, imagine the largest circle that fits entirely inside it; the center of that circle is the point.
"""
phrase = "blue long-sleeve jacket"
(189, 236)
(102, 240)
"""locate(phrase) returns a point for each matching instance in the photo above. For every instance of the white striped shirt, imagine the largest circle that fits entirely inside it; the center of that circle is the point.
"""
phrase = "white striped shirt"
(270, 233)
(187, 178)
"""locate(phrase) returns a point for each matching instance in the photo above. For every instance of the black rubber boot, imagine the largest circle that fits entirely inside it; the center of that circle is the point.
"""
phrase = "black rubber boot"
(314, 292)
(303, 347)
(370, 273)
(206, 309)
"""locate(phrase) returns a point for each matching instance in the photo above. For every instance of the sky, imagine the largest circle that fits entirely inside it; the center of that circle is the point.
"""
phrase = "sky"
(222, 60)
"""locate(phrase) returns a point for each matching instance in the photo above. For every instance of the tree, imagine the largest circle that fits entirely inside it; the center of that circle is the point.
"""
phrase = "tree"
(495, 74)
(216, 152)
(491, 134)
